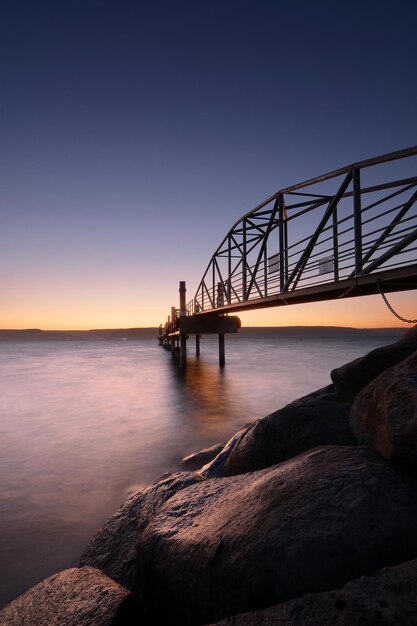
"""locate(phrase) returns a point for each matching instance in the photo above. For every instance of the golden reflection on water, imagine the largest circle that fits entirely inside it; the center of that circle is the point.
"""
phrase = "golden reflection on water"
(203, 389)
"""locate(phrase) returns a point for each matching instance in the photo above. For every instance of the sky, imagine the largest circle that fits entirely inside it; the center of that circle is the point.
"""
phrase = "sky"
(133, 135)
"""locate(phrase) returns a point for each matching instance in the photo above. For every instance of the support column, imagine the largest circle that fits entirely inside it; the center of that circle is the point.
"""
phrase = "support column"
(197, 345)
(222, 359)
(173, 345)
(183, 350)
(183, 336)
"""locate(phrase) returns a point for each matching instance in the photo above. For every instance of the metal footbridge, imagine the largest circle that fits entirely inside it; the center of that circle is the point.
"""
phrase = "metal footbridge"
(351, 232)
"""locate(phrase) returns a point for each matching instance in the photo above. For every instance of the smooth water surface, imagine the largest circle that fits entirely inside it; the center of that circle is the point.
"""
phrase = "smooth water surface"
(84, 423)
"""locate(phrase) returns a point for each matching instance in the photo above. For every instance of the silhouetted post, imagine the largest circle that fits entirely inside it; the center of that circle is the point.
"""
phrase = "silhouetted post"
(222, 359)
(183, 336)
(197, 345)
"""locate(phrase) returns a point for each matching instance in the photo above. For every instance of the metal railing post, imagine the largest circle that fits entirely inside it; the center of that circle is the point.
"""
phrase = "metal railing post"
(357, 218)
(281, 242)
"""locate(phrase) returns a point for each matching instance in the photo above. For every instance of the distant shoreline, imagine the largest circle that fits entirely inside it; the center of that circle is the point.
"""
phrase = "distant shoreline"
(36, 334)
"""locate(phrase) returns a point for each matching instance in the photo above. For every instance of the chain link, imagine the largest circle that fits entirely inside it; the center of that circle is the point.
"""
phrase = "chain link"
(384, 297)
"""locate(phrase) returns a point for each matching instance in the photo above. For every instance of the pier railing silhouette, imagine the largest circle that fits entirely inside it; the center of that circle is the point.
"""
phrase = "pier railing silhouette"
(347, 233)
(337, 235)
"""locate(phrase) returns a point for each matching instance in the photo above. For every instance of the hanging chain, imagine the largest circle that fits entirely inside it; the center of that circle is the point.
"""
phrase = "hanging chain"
(384, 297)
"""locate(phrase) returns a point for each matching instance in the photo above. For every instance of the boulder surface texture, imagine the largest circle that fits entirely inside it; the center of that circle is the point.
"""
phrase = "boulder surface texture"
(387, 598)
(74, 597)
(230, 545)
(384, 414)
(354, 376)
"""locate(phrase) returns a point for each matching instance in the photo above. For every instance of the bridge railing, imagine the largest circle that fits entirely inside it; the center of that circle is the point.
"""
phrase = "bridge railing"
(354, 221)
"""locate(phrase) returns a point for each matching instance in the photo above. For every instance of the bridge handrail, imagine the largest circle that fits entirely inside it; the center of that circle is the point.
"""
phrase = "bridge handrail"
(249, 237)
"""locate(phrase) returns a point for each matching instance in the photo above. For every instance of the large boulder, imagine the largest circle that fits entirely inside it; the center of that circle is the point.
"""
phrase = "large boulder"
(74, 597)
(384, 414)
(388, 598)
(230, 545)
(113, 549)
(303, 424)
(354, 376)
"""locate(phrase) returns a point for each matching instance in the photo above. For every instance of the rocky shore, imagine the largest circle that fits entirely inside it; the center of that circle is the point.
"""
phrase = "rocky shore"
(307, 516)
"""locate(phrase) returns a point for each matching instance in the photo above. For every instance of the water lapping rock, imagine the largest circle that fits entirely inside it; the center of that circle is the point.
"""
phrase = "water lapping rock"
(289, 524)
(113, 549)
(196, 461)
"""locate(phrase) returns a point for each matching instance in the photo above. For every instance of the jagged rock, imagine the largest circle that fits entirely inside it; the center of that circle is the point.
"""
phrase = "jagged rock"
(196, 461)
(74, 597)
(354, 376)
(230, 545)
(301, 425)
(113, 549)
(387, 598)
(384, 414)
(215, 469)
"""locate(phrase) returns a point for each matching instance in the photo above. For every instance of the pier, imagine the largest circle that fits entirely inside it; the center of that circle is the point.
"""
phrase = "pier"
(180, 326)
(351, 232)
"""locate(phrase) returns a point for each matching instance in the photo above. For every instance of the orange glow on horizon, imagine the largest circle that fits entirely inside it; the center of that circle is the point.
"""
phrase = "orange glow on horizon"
(362, 312)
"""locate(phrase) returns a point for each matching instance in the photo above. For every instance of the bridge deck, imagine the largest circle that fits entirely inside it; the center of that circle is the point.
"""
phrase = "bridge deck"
(330, 237)
(399, 279)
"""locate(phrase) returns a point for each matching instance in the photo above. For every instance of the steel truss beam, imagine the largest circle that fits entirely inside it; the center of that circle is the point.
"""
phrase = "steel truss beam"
(349, 239)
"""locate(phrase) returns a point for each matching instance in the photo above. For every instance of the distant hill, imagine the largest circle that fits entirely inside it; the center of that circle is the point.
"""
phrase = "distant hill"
(36, 334)
(119, 334)
(319, 331)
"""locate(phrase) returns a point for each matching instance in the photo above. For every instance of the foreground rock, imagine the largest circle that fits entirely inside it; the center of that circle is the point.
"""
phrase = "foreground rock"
(354, 376)
(384, 414)
(226, 546)
(300, 426)
(215, 469)
(74, 597)
(387, 598)
(113, 549)
(196, 461)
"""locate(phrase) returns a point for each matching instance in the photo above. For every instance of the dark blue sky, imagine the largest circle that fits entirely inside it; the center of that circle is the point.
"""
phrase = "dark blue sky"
(133, 135)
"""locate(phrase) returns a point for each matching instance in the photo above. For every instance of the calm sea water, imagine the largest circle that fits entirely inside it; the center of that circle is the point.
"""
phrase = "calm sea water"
(83, 424)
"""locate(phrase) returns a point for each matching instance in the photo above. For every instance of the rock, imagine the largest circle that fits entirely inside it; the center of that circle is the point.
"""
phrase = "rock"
(387, 598)
(113, 549)
(198, 459)
(230, 545)
(384, 414)
(215, 469)
(325, 393)
(354, 376)
(303, 424)
(74, 597)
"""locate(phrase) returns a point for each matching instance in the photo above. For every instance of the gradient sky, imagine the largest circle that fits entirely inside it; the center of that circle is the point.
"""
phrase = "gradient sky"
(133, 135)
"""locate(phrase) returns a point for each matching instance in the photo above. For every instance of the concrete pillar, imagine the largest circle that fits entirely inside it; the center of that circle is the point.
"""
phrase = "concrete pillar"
(222, 359)
(183, 350)
(173, 346)
(197, 345)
